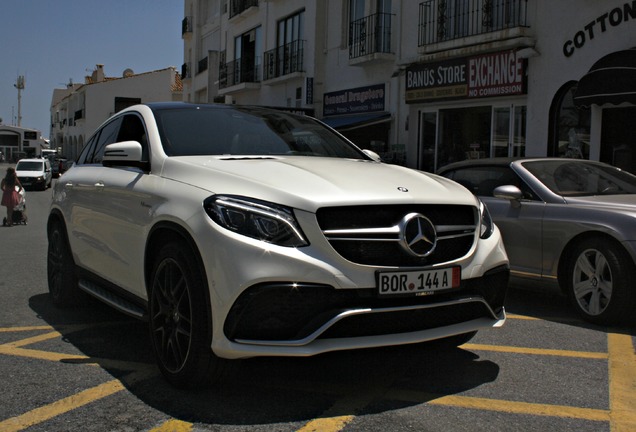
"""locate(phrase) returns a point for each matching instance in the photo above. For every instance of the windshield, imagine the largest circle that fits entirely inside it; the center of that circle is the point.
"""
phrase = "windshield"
(29, 166)
(244, 131)
(582, 178)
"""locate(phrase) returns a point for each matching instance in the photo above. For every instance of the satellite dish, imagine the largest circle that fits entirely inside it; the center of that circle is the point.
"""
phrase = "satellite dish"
(128, 73)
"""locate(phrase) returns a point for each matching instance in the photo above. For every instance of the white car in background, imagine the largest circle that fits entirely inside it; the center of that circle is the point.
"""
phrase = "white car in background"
(34, 173)
(241, 231)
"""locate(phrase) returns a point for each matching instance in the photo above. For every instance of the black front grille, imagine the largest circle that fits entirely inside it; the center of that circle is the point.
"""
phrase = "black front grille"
(455, 226)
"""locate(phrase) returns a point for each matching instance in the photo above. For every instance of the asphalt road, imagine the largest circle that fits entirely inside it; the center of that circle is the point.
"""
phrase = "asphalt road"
(91, 369)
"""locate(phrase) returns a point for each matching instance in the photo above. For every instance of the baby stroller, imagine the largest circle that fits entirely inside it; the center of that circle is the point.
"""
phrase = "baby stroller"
(19, 212)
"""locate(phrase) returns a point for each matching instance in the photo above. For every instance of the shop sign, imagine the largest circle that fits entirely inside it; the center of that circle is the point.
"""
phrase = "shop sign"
(488, 75)
(354, 101)
(601, 24)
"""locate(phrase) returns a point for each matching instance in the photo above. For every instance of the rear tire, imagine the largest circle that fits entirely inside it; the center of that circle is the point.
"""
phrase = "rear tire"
(62, 279)
(181, 320)
(598, 281)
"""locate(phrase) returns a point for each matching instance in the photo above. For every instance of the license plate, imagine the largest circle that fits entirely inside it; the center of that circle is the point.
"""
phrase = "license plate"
(419, 282)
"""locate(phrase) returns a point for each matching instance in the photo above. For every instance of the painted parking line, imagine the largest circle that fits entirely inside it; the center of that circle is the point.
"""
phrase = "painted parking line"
(622, 385)
(173, 425)
(621, 416)
(61, 406)
(622, 382)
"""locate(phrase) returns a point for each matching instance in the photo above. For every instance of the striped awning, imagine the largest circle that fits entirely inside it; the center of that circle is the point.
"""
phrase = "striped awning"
(611, 80)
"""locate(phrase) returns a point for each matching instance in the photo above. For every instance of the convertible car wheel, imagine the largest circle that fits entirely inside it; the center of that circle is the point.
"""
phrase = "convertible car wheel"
(60, 270)
(599, 286)
(180, 319)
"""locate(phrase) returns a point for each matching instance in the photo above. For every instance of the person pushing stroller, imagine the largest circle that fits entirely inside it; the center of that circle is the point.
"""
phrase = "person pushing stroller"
(12, 194)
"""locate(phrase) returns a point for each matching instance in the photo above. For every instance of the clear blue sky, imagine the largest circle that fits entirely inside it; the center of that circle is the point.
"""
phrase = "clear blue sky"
(51, 42)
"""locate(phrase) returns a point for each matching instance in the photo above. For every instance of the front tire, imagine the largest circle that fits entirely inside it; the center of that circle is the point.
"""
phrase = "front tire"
(60, 269)
(180, 319)
(598, 285)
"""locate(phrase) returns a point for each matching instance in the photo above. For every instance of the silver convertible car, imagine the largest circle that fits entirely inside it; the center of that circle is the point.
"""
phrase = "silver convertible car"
(241, 231)
(565, 222)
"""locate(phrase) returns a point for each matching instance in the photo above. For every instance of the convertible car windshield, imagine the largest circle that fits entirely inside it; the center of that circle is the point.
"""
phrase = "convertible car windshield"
(247, 131)
(582, 178)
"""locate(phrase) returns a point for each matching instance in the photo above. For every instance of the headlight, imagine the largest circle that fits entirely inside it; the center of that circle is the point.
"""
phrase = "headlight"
(256, 219)
(486, 226)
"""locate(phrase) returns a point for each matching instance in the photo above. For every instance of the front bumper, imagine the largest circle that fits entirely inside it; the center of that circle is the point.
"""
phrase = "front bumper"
(303, 320)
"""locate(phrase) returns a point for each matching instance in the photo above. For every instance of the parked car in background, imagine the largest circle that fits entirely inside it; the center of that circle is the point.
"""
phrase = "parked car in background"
(64, 165)
(241, 231)
(565, 222)
(34, 173)
(59, 164)
(55, 164)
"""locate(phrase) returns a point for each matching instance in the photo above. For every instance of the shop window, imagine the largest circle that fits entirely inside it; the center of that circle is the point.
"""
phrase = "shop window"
(569, 133)
(464, 133)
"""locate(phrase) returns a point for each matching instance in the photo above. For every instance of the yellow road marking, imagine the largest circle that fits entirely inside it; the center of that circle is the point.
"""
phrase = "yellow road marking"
(21, 329)
(622, 382)
(620, 356)
(503, 405)
(173, 425)
(37, 354)
(536, 351)
(34, 339)
(521, 317)
(61, 406)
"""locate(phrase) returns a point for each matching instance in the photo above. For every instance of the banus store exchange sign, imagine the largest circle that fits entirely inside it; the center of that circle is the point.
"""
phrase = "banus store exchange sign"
(488, 75)
(354, 101)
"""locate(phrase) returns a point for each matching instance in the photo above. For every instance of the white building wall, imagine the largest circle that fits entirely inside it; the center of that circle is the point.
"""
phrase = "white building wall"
(557, 24)
(97, 100)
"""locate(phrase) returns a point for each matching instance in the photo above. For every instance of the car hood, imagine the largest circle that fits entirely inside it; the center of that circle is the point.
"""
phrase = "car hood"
(309, 183)
(616, 202)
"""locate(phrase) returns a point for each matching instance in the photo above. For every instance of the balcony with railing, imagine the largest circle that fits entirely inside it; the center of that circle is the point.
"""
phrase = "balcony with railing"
(284, 60)
(239, 72)
(237, 7)
(446, 20)
(370, 38)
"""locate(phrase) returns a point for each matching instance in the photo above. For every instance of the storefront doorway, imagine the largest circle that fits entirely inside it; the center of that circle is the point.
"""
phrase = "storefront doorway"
(617, 140)
(452, 135)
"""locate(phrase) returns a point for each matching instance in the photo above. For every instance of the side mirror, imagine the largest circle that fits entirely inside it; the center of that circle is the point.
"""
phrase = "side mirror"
(373, 155)
(125, 153)
(509, 192)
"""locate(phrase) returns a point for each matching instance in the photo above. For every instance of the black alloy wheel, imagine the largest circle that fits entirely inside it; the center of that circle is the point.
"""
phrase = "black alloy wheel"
(180, 319)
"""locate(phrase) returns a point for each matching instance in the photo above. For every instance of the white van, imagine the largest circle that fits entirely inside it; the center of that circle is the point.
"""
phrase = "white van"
(34, 173)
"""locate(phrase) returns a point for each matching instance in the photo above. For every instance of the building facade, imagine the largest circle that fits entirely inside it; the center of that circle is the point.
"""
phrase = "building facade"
(79, 109)
(18, 142)
(428, 82)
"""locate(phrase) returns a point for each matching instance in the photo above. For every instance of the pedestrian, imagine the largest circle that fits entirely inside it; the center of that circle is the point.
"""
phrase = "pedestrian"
(10, 197)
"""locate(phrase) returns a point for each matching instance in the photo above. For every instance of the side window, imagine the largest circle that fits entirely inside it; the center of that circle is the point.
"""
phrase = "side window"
(87, 151)
(108, 135)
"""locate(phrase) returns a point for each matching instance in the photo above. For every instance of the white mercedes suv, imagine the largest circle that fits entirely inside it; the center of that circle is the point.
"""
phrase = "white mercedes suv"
(242, 231)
